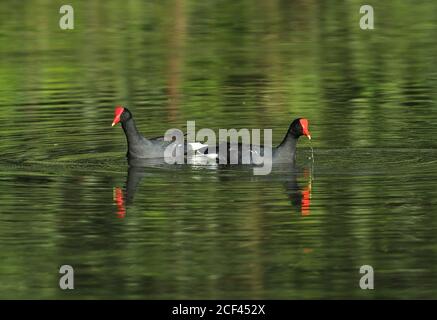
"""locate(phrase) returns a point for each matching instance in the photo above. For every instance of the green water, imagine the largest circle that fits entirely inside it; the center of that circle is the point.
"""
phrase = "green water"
(68, 197)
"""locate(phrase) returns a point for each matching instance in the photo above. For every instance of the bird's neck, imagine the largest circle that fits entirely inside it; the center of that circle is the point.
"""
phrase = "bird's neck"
(134, 138)
(287, 148)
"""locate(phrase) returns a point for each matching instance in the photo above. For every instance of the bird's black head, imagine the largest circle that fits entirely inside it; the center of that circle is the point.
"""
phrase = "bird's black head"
(299, 127)
(121, 114)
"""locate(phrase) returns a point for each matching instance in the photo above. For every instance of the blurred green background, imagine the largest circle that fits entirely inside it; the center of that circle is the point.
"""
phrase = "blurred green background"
(191, 232)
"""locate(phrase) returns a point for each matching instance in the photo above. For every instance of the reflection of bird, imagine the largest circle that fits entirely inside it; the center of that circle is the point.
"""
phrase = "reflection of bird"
(134, 177)
(123, 199)
(119, 201)
(285, 152)
(300, 198)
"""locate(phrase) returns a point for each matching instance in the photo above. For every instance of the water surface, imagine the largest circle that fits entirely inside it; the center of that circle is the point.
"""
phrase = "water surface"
(67, 195)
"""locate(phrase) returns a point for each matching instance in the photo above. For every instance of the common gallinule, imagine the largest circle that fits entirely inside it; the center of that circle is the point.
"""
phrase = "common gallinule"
(138, 146)
(285, 152)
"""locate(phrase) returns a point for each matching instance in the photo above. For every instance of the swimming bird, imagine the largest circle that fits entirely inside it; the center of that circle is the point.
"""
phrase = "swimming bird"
(285, 152)
(140, 147)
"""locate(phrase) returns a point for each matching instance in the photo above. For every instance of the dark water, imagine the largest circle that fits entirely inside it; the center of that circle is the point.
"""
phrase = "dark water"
(67, 195)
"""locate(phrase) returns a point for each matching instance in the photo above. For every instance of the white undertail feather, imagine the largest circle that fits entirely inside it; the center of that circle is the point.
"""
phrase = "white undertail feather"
(211, 155)
(197, 145)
